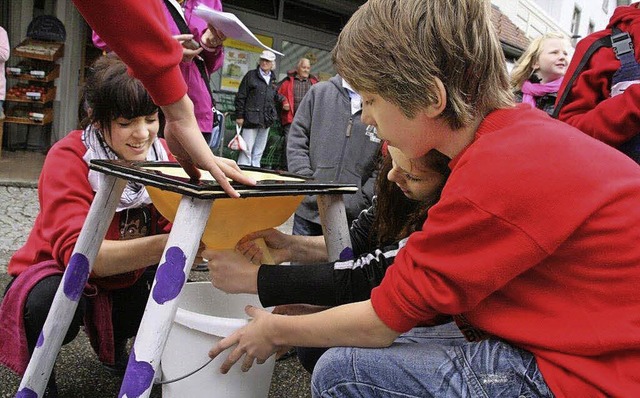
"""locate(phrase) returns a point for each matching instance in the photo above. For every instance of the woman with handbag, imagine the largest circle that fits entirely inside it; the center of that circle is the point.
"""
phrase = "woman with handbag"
(256, 108)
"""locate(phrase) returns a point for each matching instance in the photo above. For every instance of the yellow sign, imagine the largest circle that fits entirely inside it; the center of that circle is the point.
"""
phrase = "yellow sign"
(239, 58)
(240, 45)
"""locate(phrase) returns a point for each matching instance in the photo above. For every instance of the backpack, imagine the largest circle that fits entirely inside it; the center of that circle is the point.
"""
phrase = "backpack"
(628, 73)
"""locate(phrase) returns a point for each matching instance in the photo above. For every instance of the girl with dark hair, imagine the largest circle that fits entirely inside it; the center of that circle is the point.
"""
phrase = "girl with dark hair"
(121, 122)
(406, 189)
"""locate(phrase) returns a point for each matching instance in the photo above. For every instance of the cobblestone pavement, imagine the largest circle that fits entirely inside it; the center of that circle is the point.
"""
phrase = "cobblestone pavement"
(79, 373)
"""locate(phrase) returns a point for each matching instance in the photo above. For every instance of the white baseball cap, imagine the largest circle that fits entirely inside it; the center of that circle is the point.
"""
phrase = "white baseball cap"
(268, 55)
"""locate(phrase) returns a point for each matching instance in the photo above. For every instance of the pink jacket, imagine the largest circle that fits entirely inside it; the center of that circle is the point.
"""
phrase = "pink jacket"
(4, 56)
(197, 89)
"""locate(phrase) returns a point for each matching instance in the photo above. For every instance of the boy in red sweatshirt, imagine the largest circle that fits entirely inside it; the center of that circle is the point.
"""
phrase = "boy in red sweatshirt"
(532, 248)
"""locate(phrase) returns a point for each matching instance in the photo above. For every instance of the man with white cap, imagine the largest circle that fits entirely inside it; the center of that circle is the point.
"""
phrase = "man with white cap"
(256, 108)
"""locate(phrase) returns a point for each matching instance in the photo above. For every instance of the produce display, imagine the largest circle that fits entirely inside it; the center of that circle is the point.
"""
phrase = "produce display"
(31, 76)
(31, 69)
(27, 92)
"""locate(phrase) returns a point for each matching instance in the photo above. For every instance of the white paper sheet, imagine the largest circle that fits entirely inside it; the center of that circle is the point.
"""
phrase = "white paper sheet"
(230, 25)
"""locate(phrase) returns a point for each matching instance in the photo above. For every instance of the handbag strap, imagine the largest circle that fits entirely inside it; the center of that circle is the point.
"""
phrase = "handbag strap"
(178, 18)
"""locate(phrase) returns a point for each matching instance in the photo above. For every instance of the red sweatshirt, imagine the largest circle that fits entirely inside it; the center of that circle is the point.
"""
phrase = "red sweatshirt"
(534, 241)
(589, 105)
(65, 196)
(137, 31)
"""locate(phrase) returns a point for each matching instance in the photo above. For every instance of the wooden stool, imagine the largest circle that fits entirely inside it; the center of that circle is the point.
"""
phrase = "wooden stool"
(175, 264)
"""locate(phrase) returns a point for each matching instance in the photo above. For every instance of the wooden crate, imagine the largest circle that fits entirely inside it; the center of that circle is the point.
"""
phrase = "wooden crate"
(34, 75)
(49, 96)
(37, 117)
(38, 49)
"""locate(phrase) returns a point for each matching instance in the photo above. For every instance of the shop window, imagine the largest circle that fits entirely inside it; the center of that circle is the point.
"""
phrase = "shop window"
(263, 7)
(313, 17)
(321, 65)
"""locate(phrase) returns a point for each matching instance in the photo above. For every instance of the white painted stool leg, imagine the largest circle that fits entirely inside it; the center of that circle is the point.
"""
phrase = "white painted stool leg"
(175, 264)
(335, 228)
(70, 290)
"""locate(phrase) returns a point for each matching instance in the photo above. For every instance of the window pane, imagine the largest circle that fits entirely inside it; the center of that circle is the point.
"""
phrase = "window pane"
(318, 18)
(266, 7)
(321, 65)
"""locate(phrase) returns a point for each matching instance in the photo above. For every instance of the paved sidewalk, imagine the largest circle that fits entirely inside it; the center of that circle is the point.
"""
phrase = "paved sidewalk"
(79, 373)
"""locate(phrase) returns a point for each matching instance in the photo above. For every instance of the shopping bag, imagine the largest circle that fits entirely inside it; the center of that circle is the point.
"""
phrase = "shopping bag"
(237, 143)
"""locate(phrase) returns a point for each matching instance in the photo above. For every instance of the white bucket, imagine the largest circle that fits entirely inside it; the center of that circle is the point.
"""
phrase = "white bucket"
(205, 315)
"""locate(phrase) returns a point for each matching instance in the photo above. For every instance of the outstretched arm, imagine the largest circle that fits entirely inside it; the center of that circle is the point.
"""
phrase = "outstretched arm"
(153, 56)
(354, 324)
(283, 247)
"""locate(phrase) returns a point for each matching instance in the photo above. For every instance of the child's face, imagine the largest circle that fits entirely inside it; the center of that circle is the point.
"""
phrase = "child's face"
(553, 60)
(131, 139)
(414, 137)
(416, 183)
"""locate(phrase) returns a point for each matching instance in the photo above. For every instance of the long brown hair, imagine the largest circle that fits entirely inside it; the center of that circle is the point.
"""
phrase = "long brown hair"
(398, 216)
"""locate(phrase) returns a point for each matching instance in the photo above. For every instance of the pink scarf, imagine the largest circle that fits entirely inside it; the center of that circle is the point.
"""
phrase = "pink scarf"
(530, 91)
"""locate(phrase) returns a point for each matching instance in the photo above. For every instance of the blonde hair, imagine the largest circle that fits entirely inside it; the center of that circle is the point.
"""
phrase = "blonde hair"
(524, 65)
(396, 49)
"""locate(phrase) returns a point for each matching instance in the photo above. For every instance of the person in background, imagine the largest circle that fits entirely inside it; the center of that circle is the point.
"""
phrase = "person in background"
(329, 142)
(532, 247)
(603, 100)
(143, 41)
(538, 73)
(293, 88)
(399, 208)
(255, 105)
(5, 51)
(122, 123)
(202, 54)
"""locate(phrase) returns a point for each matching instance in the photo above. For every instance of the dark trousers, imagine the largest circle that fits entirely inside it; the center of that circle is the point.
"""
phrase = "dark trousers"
(304, 227)
(128, 306)
(285, 132)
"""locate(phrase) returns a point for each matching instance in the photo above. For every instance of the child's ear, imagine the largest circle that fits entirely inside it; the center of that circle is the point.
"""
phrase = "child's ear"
(437, 108)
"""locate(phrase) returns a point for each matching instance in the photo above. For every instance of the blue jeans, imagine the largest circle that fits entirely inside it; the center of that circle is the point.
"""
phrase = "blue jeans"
(430, 362)
(256, 140)
(304, 227)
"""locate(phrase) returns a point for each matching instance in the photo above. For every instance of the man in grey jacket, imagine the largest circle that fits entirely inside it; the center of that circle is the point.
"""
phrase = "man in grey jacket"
(327, 141)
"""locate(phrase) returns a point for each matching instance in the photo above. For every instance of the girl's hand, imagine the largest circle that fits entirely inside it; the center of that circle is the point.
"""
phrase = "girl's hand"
(231, 272)
(278, 243)
(212, 37)
(252, 341)
(190, 47)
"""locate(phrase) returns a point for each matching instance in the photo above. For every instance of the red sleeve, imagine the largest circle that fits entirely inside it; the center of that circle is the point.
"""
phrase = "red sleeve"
(136, 30)
(437, 272)
(589, 107)
(65, 199)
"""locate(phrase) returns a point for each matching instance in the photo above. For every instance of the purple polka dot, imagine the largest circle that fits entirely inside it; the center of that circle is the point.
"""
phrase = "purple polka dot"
(137, 379)
(346, 254)
(26, 393)
(40, 339)
(75, 277)
(170, 276)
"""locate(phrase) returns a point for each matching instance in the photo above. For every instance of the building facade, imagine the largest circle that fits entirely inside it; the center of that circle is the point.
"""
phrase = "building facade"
(295, 27)
(575, 18)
